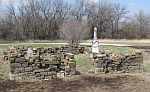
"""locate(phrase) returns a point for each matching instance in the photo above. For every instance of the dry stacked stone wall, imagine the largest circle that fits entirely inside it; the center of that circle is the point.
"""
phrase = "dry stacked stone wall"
(41, 63)
(112, 63)
(48, 63)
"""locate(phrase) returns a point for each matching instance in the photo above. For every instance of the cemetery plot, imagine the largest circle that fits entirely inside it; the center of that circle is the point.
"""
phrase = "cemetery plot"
(59, 62)
(111, 62)
(40, 63)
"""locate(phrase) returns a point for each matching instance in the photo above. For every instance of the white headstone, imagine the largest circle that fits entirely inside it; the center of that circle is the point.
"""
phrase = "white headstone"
(29, 53)
(95, 43)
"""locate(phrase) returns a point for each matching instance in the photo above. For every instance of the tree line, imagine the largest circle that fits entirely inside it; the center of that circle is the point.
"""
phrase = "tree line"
(61, 19)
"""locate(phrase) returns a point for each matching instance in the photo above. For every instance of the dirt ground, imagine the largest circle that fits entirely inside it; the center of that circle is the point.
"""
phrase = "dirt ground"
(105, 83)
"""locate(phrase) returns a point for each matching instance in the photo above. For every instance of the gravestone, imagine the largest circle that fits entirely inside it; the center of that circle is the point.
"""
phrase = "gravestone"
(29, 53)
(95, 43)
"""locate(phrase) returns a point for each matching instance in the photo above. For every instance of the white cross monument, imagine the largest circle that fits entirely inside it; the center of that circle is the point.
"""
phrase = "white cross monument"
(95, 43)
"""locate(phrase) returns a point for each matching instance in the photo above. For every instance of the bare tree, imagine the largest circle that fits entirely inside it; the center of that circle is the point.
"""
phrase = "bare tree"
(143, 23)
(43, 19)
(74, 31)
(37, 19)
(106, 16)
(119, 13)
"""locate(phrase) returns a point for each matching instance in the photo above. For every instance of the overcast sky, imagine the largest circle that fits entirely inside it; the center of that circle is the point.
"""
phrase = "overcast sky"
(132, 5)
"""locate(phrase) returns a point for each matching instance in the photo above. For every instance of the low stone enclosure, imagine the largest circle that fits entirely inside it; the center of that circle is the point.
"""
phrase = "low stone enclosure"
(48, 63)
(117, 63)
(41, 63)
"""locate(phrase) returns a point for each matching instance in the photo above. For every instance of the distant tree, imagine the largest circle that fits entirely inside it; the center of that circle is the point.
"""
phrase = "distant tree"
(74, 31)
(37, 19)
(143, 23)
(129, 30)
(46, 19)
(118, 14)
(106, 16)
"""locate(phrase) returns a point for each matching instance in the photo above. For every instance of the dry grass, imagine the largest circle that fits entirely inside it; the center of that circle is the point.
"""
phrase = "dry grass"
(84, 63)
(4, 69)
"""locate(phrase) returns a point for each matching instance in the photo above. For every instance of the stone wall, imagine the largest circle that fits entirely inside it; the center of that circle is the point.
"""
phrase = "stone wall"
(40, 63)
(48, 63)
(112, 63)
